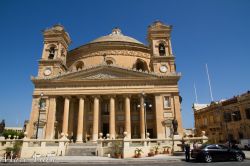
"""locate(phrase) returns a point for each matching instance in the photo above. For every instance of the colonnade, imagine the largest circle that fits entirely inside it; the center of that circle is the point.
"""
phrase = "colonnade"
(96, 120)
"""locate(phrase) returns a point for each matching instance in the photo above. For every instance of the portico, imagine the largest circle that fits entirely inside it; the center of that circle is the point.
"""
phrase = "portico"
(92, 114)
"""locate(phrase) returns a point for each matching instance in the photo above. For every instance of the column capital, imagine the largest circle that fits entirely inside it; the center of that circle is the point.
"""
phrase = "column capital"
(96, 96)
(111, 96)
(81, 96)
(66, 96)
(127, 95)
(50, 96)
(142, 94)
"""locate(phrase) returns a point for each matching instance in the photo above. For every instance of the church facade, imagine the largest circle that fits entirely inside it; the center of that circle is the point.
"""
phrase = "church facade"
(111, 85)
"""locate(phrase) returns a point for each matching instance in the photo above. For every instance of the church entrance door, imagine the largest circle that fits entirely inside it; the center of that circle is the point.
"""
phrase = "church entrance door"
(105, 129)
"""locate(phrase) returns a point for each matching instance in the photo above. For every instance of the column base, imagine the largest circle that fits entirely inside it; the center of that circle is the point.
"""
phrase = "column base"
(94, 137)
(79, 141)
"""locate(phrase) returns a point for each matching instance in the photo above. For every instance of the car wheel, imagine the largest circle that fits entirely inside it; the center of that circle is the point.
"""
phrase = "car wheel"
(239, 157)
(208, 158)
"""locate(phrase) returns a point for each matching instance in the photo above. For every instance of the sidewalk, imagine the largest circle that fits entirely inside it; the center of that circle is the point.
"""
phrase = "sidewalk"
(97, 159)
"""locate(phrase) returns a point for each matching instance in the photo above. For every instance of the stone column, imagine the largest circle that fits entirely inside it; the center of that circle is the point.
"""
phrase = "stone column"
(127, 117)
(95, 119)
(80, 120)
(66, 116)
(112, 117)
(51, 118)
(71, 118)
(142, 116)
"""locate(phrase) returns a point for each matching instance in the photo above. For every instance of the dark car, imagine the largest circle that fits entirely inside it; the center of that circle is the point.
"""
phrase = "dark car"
(216, 152)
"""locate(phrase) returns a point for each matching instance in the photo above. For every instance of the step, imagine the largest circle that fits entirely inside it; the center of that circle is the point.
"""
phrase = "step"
(83, 144)
(79, 152)
(81, 149)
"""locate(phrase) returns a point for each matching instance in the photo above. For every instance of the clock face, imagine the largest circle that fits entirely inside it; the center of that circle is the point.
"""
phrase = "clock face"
(163, 69)
(47, 72)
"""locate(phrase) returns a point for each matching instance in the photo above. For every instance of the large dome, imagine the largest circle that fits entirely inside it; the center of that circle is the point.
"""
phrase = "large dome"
(116, 36)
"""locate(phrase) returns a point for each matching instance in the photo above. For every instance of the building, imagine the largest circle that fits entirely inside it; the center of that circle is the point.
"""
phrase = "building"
(110, 85)
(224, 120)
(16, 129)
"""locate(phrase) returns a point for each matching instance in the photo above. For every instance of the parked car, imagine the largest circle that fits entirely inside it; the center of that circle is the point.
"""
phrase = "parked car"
(217, 152)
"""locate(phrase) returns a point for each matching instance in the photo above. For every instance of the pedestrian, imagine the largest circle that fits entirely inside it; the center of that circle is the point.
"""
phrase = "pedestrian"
(187, 152)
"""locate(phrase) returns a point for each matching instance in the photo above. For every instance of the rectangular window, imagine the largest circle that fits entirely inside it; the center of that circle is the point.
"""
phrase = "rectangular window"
(205, 121)
(120, 106)
(211, 119)
(120, 118)
(227, 117)
(236, 116)
(167, 102)
(247, 113)
(105, 108)
(134, 107)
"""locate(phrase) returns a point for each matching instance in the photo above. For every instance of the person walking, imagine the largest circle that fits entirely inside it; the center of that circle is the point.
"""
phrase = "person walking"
(187, 152)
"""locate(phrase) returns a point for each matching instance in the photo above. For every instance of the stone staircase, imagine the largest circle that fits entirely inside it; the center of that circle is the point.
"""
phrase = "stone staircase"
(81, 149)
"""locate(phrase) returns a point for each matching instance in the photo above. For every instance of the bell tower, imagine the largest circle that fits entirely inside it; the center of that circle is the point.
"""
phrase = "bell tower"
(53, 61)
(162, 59)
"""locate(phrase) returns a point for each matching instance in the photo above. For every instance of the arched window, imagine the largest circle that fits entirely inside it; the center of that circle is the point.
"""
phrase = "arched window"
(51, 53)
(109, 62)
(162, 50)
(79, 65)
(141, 65)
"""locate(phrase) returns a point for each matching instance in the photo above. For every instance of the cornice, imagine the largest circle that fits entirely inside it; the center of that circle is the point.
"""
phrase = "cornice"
(105, 83)
(131, 74)
(52, 61)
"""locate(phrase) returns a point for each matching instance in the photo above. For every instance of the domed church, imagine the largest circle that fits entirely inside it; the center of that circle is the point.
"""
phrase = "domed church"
(111, 86)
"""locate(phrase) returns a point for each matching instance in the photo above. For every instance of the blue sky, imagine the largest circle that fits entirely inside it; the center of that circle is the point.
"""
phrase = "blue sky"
(216, 32)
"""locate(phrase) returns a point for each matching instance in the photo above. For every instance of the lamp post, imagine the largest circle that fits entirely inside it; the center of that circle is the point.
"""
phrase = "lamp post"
(39, 110)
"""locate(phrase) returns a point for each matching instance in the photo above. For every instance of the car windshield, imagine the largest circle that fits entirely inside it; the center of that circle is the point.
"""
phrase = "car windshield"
(223, 146)
(203, 146)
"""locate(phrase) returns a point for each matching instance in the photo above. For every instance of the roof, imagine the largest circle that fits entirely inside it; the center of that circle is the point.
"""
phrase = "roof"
(116, 36)
(197, 106)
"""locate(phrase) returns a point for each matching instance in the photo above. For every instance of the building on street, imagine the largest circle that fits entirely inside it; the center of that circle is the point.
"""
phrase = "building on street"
(224, 120)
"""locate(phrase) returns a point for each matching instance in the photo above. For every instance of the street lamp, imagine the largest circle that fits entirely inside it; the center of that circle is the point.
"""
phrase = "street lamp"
(145, 114)
(39, 111)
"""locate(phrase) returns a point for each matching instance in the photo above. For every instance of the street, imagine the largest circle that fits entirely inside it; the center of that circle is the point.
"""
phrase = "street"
(131, 163)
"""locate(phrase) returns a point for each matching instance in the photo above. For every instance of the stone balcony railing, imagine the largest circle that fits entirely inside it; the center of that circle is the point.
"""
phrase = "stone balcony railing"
(127, 147)
(40, 147)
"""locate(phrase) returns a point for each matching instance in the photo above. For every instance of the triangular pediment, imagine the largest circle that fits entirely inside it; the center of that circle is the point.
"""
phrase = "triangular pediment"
(105, 72)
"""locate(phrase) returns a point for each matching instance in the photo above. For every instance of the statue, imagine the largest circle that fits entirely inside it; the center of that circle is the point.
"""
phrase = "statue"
(2, 126)
(175, 126)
